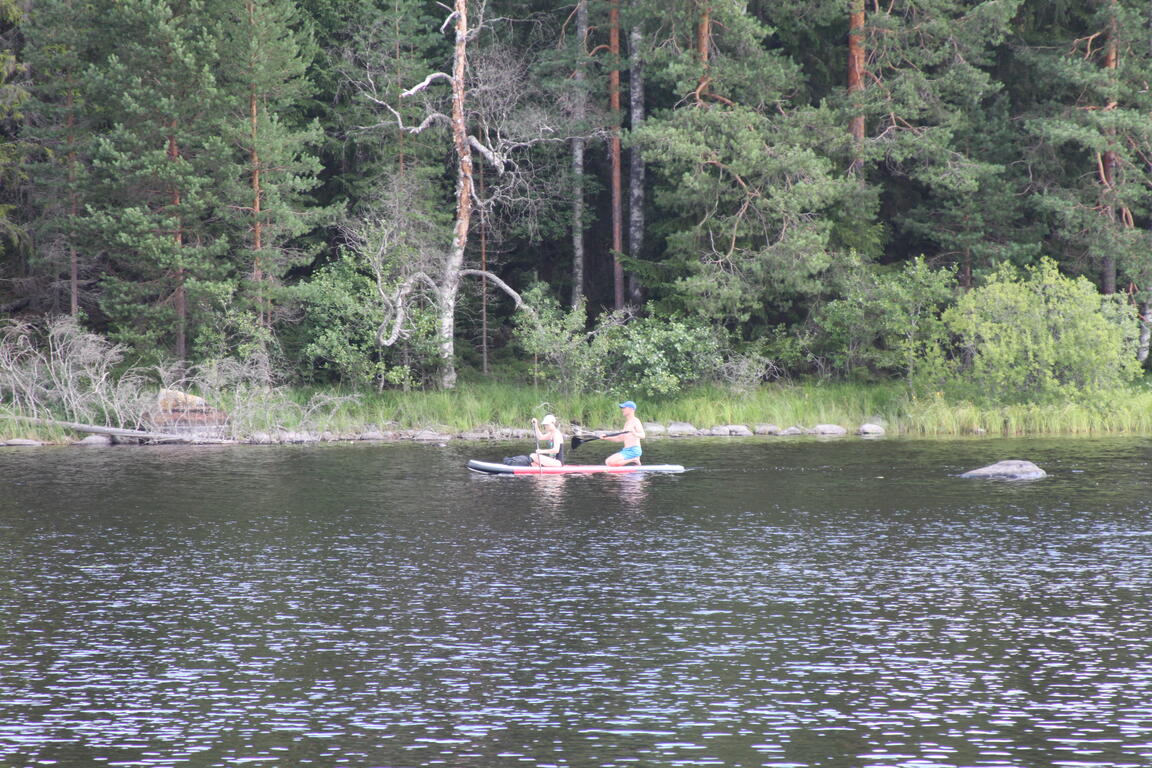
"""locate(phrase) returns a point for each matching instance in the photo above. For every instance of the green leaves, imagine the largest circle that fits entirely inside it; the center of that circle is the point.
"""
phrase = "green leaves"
(621, 355)
(1041, 336)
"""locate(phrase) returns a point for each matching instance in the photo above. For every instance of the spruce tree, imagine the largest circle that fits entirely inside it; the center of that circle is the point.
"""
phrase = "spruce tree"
(12, 97)
(60, 47)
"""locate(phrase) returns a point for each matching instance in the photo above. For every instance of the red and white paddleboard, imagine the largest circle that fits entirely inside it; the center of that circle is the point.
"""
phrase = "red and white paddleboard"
(493, 468)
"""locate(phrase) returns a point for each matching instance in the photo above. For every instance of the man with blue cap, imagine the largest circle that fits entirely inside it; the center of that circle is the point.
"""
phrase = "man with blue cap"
(631, 436)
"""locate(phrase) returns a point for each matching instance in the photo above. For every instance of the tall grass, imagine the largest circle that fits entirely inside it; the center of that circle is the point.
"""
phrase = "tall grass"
(475, 406)
(485, 405)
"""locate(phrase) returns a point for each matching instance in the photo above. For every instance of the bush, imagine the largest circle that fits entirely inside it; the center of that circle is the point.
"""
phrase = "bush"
(342, 313)
(886, 323)
(1041, 336)
(621, 354)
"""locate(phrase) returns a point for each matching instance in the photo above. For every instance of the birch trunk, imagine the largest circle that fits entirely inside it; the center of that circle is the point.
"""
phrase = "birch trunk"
(635, 160)
(1145, 333)
(450, 282)
(578, 147)
(615, 152)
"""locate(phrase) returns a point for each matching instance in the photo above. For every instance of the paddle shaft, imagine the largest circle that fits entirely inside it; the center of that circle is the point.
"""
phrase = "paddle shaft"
(577, 441)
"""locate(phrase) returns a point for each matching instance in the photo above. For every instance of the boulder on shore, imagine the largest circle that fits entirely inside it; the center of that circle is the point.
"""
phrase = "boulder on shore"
(677, 428)
(870, 429)
(828, 430)
(1012, 469)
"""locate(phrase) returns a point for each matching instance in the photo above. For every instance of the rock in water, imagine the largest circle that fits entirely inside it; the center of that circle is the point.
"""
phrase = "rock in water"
(1012, 469)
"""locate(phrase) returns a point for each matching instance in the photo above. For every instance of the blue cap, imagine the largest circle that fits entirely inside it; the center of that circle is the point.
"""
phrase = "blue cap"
(628, 404)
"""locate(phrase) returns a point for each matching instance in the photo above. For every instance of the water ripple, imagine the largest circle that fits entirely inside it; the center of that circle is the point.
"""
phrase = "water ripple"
(840, 604)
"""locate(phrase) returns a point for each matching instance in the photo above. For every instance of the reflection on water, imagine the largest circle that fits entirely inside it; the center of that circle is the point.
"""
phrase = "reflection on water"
(786, 603)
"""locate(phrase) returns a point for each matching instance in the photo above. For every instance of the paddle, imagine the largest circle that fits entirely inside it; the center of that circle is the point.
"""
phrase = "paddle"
(536, 432)
(577, 441)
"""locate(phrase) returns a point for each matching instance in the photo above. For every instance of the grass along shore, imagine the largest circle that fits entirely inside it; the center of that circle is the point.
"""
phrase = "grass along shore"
(479, 407)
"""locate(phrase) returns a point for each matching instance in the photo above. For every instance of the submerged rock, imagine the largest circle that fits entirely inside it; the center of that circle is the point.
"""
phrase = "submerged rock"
(1012, 469)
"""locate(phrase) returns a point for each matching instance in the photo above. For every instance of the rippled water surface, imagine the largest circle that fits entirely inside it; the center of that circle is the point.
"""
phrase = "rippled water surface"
(785, 603)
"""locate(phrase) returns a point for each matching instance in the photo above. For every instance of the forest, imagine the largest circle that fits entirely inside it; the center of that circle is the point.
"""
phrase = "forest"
(382, 194)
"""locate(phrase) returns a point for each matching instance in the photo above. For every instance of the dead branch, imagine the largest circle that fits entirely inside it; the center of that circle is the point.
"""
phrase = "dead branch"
(115, 432)
(425, 83)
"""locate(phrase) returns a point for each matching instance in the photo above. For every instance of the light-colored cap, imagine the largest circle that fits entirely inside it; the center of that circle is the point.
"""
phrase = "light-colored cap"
(549, 419)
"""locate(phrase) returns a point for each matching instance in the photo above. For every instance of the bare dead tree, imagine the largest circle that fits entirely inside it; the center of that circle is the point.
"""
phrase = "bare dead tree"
(59, 369)
(488, 116)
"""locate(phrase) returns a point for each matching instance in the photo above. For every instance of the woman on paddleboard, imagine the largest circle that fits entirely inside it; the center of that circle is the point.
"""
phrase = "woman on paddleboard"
(549, 443)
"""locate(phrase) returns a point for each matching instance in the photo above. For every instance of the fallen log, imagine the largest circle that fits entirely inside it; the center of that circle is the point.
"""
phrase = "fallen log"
(159, 437)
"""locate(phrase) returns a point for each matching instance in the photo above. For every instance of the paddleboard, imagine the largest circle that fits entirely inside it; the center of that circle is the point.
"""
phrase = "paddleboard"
(494, 468)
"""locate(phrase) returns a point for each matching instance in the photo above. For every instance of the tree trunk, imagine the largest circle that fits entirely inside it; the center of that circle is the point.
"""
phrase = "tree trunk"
(1109, 162)
(450, 282)
(483, 280)
(74, 209)
(636, 160)
(179, 295)
(578, 146)
(615, 151)
(1145, 333)
(856, 80)
(257, 195)
(703, 49)
(257, 191)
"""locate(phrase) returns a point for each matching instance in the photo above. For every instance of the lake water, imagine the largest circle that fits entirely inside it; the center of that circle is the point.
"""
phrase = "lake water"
(836, 603)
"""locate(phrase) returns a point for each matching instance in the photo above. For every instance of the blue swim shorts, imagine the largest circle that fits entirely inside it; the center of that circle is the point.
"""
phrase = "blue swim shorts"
(631, 452)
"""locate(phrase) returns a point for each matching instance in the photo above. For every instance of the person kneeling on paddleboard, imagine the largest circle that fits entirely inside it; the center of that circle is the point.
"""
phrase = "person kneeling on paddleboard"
(550, 443)
(631, 436)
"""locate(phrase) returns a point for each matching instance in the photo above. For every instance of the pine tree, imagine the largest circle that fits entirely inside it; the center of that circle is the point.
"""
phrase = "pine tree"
(1086, 114)
(264, 62)
(158, 169)
(745, 190)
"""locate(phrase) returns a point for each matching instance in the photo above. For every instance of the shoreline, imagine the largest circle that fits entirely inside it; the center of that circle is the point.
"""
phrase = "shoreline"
(434, 435)
(479, 412)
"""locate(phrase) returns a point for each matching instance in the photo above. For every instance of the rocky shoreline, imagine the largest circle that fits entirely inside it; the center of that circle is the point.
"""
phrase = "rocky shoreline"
(433, 435)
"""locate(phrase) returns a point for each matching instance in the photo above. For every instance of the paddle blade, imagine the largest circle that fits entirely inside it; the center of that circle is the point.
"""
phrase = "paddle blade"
(578, 441)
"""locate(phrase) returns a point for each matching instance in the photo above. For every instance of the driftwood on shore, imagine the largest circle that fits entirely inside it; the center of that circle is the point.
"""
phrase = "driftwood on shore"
(118, 432)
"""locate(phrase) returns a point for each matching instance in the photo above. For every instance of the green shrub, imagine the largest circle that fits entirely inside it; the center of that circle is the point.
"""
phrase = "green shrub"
(886, 323)
(1040, 336)
(620, 354)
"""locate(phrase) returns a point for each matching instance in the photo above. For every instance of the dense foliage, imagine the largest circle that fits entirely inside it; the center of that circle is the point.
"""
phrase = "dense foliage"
(366, 192)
